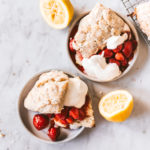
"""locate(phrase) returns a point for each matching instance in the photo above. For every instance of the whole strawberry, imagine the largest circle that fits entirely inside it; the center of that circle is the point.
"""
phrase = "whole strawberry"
(128, 48)
(40, 121)
(54, 133)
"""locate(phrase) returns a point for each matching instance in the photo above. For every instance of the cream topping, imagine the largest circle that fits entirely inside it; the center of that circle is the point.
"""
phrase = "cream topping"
(76, 93)
(115, 41)
(96, 66)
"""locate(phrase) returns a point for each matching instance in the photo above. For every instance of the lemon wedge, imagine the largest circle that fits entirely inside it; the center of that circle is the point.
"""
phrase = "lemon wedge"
(116, 106)
(57, 13)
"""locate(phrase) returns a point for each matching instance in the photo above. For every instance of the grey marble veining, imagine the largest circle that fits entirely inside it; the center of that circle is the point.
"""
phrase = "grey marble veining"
(28, 45)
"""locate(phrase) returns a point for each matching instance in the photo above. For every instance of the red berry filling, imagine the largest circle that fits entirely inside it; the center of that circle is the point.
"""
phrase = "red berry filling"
(113, 60)
(108, 53)
(128, 49)
(69, 120)
(67, 116)
(120, 55)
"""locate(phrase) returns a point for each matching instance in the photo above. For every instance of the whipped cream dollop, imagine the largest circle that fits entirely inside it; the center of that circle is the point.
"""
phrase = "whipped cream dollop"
(76, 93)
(96, 66)
(115, 41)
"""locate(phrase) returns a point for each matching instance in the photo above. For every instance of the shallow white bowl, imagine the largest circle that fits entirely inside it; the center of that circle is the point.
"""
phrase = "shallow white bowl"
(131, 63)
(26, 118)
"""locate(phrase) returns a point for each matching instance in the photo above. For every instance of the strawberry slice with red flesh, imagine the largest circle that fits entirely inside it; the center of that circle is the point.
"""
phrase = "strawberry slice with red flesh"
(124, 63)
(108, 53)
(69, 120)
(77, 114)
(119, 56)
(63, 121)
(59, 116)
(40, 121)
(113, 60)
(74, 113)
(118, 49)
(128, 48)
(62, 116)
(71, 45)
(54, 133)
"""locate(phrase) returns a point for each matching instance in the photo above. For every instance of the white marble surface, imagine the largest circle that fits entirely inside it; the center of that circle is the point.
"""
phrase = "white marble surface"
(28, 45)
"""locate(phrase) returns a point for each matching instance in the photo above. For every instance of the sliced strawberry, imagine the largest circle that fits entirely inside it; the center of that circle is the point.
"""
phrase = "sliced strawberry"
(113, 60)
(118, 49)
(71, 45)
(74, 113)
(59, 116)
(40, 121)
(108, 53)
(124, 63)
(69, 120)
(63, 115)
(128, 48)
(119, 56)
(127, 52)
(54, 133)
(63, 121)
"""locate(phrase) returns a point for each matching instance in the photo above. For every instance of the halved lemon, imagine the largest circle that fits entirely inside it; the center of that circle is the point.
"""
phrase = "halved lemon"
(57, 13)
(116, 106)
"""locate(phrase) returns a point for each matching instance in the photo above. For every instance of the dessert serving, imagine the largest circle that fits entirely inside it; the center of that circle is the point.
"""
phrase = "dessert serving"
(60, 101)
(102, 44)
(142, 12)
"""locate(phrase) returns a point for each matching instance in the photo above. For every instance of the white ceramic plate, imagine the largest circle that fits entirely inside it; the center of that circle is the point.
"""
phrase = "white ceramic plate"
(26, 118)
(131, 63)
